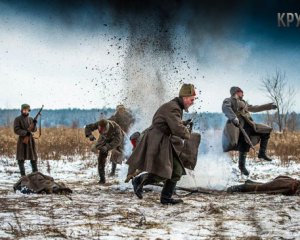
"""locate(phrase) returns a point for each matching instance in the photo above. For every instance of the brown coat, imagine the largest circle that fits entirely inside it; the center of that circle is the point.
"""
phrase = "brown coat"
(39, 183)
(124, 118)
(232, 108)
(154, 153)
(24, 151)
(113, 139)
(280, 185)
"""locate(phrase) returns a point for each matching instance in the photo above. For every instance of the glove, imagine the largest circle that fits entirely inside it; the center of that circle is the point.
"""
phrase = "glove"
(274, 106)
(28, 133)
(34, 121)
(103, 150)
(236, 122)
(92, 137)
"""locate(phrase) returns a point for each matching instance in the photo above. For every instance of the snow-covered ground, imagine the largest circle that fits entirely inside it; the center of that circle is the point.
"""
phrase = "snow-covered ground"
(114, 212)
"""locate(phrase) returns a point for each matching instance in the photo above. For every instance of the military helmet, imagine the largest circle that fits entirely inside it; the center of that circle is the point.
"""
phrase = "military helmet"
(25, 106)
(187, 90)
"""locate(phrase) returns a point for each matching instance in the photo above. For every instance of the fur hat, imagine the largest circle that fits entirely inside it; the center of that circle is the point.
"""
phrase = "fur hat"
(25, 106)
(234, 90)
(187, 90)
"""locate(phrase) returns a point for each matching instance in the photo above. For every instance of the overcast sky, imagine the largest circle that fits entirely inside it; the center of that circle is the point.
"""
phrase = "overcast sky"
(67, 63)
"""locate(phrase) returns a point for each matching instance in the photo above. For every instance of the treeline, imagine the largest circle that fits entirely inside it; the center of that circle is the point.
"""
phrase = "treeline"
(77, 118)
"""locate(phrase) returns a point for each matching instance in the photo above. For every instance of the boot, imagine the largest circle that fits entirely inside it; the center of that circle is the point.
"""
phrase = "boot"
(113, 169)
(263, 148)
(140, 181)
(34, 165)
(167, 192)
(102, 180)
(101, 172)
(22, 167)
(242, 163)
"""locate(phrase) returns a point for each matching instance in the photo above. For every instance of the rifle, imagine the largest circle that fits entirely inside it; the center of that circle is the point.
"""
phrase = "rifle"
(247, 139)
(32, 126)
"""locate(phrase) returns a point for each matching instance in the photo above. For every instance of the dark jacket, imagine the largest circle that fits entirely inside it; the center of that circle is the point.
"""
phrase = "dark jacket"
(24, 151)
(113, 140)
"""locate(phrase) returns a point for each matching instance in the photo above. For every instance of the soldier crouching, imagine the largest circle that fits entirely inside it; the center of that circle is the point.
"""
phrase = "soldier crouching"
(111, 139)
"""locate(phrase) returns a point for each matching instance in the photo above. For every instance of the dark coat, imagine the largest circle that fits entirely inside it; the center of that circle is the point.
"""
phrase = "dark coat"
(24, 151)
(280, 185)
(39, 183)
(124, 118)
(113, 140)
(232, 108)
(154, 152)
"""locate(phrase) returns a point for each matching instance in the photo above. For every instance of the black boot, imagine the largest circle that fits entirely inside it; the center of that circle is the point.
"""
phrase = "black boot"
(242, 163)
(101, 172)
(140, 181)
(113, 169)
(22, 167)
(34, 165)
(263, 148)
(167, 192)
(102, 180)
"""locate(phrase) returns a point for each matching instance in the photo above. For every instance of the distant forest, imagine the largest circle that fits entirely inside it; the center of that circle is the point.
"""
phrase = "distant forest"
(78, 118)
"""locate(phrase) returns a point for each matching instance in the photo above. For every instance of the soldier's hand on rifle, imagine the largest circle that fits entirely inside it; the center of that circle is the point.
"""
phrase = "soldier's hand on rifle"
(236, 122)
(34, 121)
(92, 137)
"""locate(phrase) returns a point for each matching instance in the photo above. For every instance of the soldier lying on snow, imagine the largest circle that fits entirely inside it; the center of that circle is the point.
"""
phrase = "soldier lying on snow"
(165, 148)
(111, 138)
(39, 183)
(238, 111)
(280, 185)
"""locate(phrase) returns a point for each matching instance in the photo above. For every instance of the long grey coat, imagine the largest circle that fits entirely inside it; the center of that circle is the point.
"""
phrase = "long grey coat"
(24, 151)
(154, 153)
(232, 108)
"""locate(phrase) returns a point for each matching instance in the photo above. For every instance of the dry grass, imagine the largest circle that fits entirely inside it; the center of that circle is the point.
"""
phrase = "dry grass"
(285, 146)
(57, 143)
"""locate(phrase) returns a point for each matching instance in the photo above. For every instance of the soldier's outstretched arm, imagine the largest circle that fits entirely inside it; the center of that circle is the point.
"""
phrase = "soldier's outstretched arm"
(88, 130)
(260, 108)
(175, 124)
(227, 109)
(17, 128)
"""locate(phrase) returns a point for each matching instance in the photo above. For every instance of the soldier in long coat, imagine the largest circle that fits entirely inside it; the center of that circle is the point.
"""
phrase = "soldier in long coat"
(238, 111)
(111, 138)
(25, 151)
(158, 151)
(125, 119)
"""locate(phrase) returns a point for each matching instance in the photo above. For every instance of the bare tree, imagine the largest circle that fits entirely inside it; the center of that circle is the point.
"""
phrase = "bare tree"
(280, 92)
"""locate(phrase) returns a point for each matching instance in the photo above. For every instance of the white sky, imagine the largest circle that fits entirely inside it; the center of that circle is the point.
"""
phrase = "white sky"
(47, 65)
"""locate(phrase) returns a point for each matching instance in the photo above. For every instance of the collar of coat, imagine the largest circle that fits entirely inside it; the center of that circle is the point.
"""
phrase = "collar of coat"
(179, 100)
